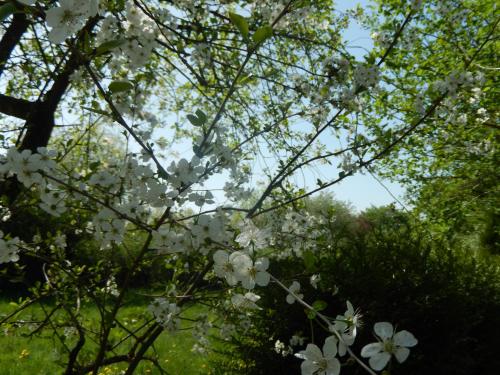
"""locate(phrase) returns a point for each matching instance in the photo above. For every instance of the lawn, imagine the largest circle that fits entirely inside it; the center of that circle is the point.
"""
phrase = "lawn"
(42, 354)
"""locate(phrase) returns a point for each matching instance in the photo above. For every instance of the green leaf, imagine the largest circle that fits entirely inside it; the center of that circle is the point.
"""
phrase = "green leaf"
(201, 115)
(309, 260)
(120, 86)
(86, 42)
(199, 119)
(98, 111)
(94, 165)
(310, 314)
(246, 79)
(319, 305)
(108, 46)
(6, 10)
(241, 23)
(262, 33)
(194, 120)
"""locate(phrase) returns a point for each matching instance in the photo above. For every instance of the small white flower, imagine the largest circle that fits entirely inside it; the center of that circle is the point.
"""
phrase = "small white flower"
(279, 346)
(166, 313)
(389, 344)
(250, 273)
(250, 234)
(223, 267)
(314, 280)
(246, 301)
(317, 362)
(296, 340)
(8, 249)
(347, 325)
(294, 289)
(68, 18)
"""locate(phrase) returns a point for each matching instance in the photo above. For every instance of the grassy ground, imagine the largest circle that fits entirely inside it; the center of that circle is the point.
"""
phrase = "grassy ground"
(42, 354)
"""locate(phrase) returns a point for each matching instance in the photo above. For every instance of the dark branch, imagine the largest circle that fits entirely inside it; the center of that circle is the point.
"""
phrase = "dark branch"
(11, 37)
(19, 108)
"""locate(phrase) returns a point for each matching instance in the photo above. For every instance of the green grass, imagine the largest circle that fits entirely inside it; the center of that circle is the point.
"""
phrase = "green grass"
(42, 353)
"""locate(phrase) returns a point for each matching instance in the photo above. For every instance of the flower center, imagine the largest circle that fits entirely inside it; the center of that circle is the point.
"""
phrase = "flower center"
(67, 16)
(322, 364)
(388, 346)
(252, 272)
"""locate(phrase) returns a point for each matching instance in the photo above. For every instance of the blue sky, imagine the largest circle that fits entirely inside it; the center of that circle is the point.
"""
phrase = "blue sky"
(361, 190)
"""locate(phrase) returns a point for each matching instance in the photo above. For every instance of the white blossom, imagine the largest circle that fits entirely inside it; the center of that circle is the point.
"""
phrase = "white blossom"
(251, 235)
(294, 289)
(250, 273)
(223, 266)
(246, 301)
(296, 340)
(390, 343)
(314, 280)
(166, 313)
(346, 325)
(9, 249)
(69, 17)
(317, 362)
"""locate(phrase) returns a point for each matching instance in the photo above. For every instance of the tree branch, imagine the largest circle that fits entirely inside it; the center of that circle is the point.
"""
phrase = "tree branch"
(15, 31)
(19, 108)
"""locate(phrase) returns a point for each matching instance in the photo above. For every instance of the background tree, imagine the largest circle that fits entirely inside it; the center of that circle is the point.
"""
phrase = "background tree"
(449, 164)
(242, 89)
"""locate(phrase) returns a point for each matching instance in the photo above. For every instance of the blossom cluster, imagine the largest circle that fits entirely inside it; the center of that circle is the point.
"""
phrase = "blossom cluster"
(9, 249)
(69, 17)
(239, 267)
(166, 313)
(391, 343)
(27, 166)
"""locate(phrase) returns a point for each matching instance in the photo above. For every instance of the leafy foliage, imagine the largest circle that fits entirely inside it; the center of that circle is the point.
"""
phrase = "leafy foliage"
(386, 263)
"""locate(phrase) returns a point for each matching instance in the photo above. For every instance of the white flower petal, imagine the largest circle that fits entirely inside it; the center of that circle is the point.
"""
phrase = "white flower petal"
(53, 16)
(308, 368)
(348, 339)
(262, 278)
(405, 338)
(300, 355)
(241, 263)
(330, 346)
(372, 349)
(333, 367)
(234, 255)
(401, 354)
(384, 330)
(231, 279)
(248, 283)
(295, 287)
(313, 353)
(220, 256)
(262, 264)
(350, 309)
(57, 35)
(342, 349)
(379, 361)
(252, 296)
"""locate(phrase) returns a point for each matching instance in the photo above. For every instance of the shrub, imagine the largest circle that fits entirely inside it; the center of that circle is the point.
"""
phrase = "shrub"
(389, 267)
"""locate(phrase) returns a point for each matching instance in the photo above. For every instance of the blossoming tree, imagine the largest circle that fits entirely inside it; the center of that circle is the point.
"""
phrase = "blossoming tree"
(257, 90)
